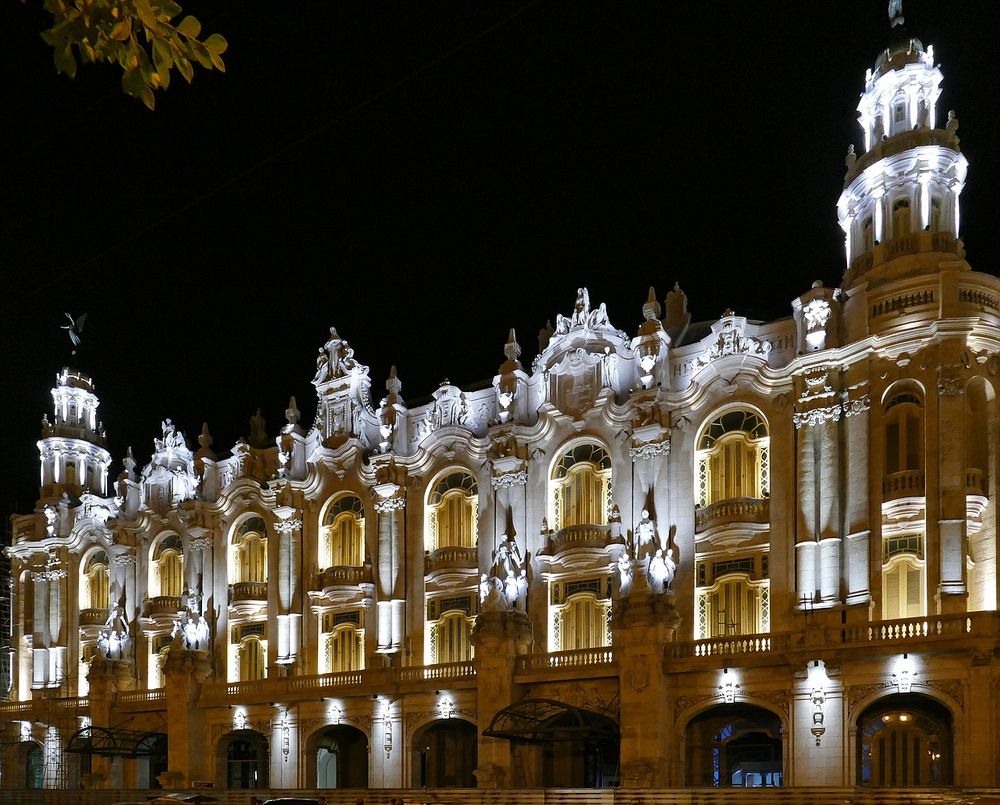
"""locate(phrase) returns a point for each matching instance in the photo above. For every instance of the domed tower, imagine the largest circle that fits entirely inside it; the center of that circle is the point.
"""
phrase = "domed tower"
(900, 206)
(73, 448)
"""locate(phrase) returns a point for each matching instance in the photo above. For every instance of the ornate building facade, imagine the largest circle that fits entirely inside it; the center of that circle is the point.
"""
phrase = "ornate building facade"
(730, 553)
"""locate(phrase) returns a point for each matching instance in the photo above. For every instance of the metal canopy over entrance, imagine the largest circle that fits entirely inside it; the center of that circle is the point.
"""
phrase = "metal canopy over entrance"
(113, 741)
(546, 720)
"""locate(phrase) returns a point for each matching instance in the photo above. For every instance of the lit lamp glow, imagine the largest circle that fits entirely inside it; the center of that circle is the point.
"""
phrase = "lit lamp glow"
(817, 680)
(905, 672)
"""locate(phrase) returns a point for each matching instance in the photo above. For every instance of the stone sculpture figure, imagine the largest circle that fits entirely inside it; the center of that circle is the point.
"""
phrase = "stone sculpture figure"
(624, 573)
(645, 537)
(659, 572)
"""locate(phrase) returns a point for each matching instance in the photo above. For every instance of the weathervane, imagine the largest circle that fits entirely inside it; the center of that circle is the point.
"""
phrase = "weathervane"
(74, 328)
(895, 13)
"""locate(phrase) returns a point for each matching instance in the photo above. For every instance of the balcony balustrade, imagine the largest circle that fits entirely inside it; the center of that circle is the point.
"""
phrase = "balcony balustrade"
(735, 510)
(579, 536)
(343, 575)
(452, 558)
(904, 484)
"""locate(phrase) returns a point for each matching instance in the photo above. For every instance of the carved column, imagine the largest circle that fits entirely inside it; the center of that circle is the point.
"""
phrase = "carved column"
(500, 637)
(187, 758)
(643, 622)
(805, 543)
(857, 461)
(391, 507)
(952, 535)
(289, 615)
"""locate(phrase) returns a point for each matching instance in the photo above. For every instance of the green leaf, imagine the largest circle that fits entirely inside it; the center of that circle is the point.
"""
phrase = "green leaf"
(162, 57)
(122, 30)
(184, 68)
(216, 43)
(65, 62)
(200, 53)
(132, 82)
(190, 27)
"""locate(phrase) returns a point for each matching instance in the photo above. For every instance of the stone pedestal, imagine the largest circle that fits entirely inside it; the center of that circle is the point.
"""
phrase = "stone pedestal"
(101, 693)
(187, 758)
(643, 623)
(499, 637)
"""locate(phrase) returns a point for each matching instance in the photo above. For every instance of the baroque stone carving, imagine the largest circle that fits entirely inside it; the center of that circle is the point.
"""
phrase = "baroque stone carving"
(731, 340)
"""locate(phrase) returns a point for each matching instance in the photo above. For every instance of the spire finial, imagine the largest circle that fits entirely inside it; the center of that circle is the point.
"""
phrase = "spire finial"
(895, 13)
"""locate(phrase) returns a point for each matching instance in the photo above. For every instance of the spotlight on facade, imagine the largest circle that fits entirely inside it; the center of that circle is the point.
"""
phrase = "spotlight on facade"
(904, 674)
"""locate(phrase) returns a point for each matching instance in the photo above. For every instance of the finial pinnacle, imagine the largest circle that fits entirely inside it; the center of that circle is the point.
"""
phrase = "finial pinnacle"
(895, 13)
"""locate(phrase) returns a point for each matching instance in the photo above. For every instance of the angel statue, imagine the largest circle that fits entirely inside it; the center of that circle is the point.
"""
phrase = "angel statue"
(74, 328)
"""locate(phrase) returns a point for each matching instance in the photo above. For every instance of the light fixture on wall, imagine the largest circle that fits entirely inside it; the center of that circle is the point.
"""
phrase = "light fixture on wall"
(728, 686)
(387, 735)
(904, 674)
(817, 680)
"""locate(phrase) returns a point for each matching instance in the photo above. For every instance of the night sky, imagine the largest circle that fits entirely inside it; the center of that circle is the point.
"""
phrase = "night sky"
(425, 176)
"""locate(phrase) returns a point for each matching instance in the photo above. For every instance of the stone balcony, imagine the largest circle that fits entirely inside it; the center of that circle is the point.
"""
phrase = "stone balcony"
(93, 617)
(580, 536)
(343, 576)
(904, 484)
(451, 559)
(932, 633)
(735, 510)
(246, 597)
(912, 243)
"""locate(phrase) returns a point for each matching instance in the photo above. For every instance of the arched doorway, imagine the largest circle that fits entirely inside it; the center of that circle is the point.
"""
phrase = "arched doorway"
(734, 745)
(340, 756)
(570, 747)
(243, 760)
(34, 767)
(905, 740)
(445, 754)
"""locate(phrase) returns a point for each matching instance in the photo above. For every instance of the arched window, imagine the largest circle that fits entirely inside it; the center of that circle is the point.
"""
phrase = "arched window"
(252, 659)
(248, 552)
(453, 638)
(345, 649)
(580, 614)
(904, 437)
(901, 217)
(34, 767)
(246, 762)
(733, 597)
(868, 234)
(903, 582)
(94, 586)
(732, 458)
(581, 487)
(342, 537)
(453, 508)
(167, 567)
(935, 219)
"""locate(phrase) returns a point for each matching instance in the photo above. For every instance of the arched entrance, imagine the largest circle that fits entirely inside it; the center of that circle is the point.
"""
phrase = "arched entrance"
(734, 745)
(570, 747)
(338, 757)
(243, 760)
(905, 740)
(34, 766)
(445, 754)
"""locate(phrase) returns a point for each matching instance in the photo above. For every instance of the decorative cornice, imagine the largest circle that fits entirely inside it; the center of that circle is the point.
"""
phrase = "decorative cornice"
(649, 450)
(509, 479)
(387, 505)
(817, 416)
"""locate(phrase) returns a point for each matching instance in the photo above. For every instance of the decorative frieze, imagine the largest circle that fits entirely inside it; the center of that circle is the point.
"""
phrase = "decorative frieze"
(831, 413)
(388, 505)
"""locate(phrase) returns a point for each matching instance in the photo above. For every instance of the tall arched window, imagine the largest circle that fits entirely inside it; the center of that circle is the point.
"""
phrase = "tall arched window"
(453, 508)
(167, 567)
(94, 586)
(733, 596)
(248, 552)
(732, 458)
(904, 432)
(868, 234)
(581, 487)
(935, 218)
(901, 217)
(342, 538)
(345, 649)
(453, 638)
(252, 658)
(580, 613)
(903, 583)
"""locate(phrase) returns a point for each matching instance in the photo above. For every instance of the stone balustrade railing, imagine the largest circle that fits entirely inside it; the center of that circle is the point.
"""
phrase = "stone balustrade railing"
(249, 591)
(576, 658)
(160, 606)
(447, 670)
(735, 510)
(349, 575)
(93, 617)
(578, 536)
(130, 698)
(451, 558)
(897, 144)
(905, 484)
